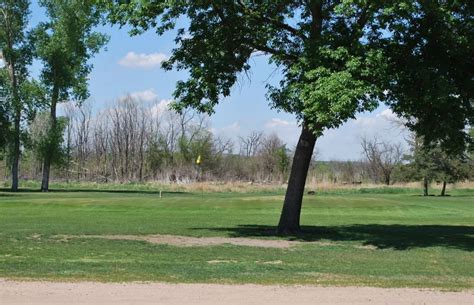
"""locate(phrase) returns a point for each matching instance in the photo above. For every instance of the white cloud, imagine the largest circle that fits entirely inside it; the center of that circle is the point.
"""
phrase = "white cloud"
(288, 131)
(365, 121)
(387, 114)
(276, 123)
(380, 119)
(160, 108)
(145, 95)
(231, 131)
(233, 128)
(142, 60)
(258, 53)
(344, 142)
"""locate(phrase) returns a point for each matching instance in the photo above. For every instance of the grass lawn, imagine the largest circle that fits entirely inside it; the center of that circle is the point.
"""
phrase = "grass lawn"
(376, 237)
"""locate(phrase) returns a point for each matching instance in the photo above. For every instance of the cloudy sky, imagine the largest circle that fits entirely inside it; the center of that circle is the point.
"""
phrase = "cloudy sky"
(131, 65)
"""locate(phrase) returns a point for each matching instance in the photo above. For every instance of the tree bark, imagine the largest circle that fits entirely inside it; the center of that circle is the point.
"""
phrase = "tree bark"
(425, 186)
(290, 216)
(17, 121)
(443, 190)
(16, 151)
(46, 171)
(48, 156)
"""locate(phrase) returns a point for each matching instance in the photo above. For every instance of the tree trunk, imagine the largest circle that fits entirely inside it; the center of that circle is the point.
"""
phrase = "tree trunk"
(443, 190)
(16, 150)
(46, 170)
(290, 216)
(48, 156)
(17, 120)
(425, 186)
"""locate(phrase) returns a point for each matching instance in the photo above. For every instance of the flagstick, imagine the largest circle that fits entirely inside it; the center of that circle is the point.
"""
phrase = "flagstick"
(198, 163)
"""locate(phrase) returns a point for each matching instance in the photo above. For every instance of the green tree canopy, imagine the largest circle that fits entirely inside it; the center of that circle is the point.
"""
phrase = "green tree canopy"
(64, 44)
(320, 47)
(430, 47)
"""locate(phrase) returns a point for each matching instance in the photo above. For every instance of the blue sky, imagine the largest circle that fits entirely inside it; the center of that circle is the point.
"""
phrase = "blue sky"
(130, 65)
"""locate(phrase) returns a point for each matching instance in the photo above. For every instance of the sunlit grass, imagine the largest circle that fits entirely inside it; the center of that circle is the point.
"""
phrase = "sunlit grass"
(364, 237)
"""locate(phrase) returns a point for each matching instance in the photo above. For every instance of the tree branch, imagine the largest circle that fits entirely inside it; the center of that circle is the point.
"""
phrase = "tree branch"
(260, 47)
(284, 26)
(316, 8)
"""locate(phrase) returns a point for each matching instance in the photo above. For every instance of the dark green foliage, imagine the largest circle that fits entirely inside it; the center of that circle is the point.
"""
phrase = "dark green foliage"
(157, 156)
(337, 58)
(198, 144)
(327, 67)
(65, 43)
(14, 44)
(433, 163)
(430, 47)
(47, 140)
(283, 159)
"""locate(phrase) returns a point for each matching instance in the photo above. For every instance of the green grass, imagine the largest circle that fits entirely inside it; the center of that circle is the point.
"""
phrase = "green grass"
(375, 237)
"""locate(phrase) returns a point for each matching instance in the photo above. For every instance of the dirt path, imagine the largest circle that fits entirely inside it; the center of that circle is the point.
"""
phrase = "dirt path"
(52, 293)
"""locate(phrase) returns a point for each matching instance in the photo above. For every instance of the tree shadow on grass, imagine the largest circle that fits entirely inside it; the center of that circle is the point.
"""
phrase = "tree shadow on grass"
(398, 237)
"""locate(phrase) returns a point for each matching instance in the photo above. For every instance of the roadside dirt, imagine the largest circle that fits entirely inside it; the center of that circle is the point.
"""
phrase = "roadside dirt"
(80, 293)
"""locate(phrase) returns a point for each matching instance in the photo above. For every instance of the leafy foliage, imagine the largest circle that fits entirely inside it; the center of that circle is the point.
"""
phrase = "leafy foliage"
(65, 43)
(430, 46)
(321, 49)
(47, 139)
(14, 44)
(17, 55)
(433, 163)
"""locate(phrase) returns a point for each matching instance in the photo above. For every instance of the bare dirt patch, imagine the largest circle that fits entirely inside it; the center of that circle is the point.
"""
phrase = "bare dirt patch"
(188, 241)
(221, 261)
(278, 262)
(91, 293)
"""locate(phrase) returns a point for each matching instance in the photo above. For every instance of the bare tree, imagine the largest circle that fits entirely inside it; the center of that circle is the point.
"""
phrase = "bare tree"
(381, 157)
(82, 137)
(101, 146)
(269, 154)
(70, 114)
(250, 144)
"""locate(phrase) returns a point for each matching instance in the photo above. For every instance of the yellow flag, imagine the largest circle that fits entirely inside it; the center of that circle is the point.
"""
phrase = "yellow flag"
(198, 160)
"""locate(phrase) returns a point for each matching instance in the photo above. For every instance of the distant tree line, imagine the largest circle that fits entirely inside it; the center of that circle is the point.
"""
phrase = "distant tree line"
(135, 141)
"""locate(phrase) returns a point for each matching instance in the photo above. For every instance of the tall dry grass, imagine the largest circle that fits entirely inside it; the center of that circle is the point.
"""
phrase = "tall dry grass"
(237, 186)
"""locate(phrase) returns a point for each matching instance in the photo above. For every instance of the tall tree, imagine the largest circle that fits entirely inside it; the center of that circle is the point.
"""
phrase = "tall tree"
(65, 44)
(320, 46)
(17, 56)
(430, 48)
